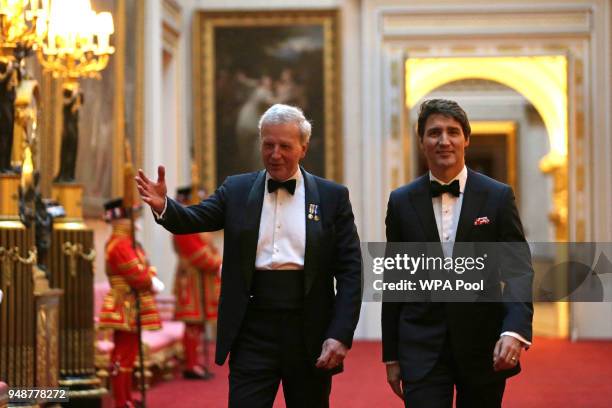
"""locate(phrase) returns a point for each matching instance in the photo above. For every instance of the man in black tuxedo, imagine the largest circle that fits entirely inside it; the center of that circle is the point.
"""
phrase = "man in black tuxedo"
(431, 348)
(287, 236)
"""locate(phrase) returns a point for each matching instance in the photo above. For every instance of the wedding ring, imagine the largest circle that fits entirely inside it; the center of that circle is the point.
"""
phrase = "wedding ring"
(513, 359)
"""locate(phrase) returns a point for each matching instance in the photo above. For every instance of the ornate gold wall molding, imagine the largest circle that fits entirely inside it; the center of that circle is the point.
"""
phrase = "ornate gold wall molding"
(139, 86)
(556, 166)
(119, 105)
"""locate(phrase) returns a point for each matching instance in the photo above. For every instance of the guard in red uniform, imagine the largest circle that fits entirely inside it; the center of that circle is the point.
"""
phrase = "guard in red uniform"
(130, 275)
(196, 287)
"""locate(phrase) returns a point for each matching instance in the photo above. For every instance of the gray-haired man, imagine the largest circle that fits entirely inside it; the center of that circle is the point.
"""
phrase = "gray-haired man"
(288, 235)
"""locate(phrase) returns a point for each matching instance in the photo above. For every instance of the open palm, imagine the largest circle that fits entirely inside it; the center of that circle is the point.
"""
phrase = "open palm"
(153, 193)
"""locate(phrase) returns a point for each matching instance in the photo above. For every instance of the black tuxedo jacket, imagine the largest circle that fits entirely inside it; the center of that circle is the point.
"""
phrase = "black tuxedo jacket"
(332, 251)
(414, 333)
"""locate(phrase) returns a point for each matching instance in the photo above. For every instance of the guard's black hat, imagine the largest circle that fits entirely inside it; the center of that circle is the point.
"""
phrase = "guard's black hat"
(114, 209)
(183, 194)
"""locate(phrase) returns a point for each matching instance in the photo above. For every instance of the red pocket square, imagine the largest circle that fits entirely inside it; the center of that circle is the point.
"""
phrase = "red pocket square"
(481, 221)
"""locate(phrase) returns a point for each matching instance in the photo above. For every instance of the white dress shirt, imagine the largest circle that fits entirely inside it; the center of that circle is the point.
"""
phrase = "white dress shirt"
(447, 209)
(282, 228)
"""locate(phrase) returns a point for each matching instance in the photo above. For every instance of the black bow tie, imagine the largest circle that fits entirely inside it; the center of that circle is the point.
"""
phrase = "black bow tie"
(288, 185)
(438, 189)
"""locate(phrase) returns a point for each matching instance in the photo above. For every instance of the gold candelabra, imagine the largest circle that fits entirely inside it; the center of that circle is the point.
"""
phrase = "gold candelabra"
(20, 24)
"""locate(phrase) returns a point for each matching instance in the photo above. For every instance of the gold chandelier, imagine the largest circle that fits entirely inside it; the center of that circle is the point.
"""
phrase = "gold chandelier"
(74, 41)
(19, 24)
(70, 38)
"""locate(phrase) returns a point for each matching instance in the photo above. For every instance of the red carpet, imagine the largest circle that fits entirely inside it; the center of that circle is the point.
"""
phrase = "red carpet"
(556, 374)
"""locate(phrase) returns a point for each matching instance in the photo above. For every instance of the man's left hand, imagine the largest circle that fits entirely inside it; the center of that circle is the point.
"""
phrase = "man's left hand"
(507, 353)
(332, 354)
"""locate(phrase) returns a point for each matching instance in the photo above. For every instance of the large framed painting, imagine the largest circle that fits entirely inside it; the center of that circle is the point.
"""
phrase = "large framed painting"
(243, 62)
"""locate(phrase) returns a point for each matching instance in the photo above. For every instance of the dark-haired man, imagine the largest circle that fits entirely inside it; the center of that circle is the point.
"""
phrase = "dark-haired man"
(432, 348)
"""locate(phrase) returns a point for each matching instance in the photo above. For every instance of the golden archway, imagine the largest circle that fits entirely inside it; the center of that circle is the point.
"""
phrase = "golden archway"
(541, 79)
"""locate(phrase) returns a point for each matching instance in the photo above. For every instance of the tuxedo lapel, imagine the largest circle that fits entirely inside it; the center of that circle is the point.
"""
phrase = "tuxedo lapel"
(473, 199)
(421, 200)
(313, 231)
(250, 233)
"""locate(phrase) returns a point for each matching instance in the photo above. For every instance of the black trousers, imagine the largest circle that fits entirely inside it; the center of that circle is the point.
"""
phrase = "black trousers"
(436, 389)
(269, 350)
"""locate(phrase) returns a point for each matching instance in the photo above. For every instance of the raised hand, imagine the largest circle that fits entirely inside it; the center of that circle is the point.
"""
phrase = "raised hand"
(152, 193)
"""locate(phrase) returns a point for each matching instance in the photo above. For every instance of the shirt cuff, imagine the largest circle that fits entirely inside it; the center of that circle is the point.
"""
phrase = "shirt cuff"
(390, 362)
(517, 336)
(160, 216)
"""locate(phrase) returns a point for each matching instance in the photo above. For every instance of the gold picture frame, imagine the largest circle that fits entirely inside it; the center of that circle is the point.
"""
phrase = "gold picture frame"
(271, 52)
